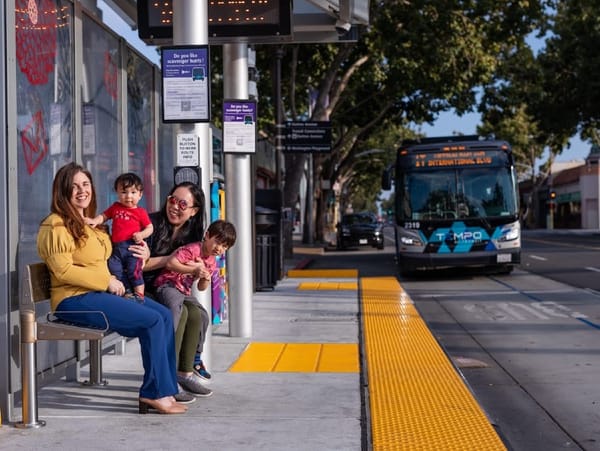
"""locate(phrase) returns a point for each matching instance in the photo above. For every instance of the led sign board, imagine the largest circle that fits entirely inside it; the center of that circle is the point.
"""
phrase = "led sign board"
(226, 18)
(457, 158)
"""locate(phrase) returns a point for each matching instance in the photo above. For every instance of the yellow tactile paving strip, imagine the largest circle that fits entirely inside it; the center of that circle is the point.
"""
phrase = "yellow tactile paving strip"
(418, 401)
(298, 358)
(322, 273)
(328, 286)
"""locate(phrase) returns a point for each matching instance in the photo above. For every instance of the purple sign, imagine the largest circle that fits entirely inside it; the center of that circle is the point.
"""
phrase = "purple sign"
(239, 126)
(186, 84)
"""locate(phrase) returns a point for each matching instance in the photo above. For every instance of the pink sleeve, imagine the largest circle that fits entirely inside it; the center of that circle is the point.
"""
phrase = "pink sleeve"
(186, 253)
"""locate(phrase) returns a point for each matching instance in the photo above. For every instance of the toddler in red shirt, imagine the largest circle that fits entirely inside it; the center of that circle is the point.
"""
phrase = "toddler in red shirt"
(130, 225)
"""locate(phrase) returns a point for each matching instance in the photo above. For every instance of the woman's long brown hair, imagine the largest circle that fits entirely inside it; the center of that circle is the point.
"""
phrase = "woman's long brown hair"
(62, 191)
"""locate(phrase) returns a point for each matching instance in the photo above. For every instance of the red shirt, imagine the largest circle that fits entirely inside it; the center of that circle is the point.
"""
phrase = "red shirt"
(126, 221)
(183, 282)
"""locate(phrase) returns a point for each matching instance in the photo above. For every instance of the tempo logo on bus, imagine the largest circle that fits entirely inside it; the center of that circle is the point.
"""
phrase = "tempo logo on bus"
(464, 236)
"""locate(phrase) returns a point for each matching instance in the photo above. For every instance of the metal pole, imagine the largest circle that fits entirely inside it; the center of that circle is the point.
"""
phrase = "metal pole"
(282, 232)
(29, 388)
(190, 27)
(28, 373)
(238, 189)
(96, 364)
(309, 229)
(280, 127)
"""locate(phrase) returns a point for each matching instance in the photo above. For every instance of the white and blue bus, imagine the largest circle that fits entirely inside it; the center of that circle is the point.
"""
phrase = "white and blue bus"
(456, 204)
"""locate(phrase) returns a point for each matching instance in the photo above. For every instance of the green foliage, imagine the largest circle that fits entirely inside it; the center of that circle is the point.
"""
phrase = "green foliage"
(570, 65)
(415, 60)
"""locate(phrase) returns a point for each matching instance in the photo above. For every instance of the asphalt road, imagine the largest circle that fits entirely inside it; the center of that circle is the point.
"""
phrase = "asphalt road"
(527, 343)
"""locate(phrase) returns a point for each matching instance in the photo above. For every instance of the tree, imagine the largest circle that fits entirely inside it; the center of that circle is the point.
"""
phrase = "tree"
(416, 59)
(570, 64)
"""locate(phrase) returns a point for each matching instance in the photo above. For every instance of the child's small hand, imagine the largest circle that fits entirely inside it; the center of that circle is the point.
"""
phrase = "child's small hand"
(196, 264)
(137, 237)
(90, 222)
(202, 273)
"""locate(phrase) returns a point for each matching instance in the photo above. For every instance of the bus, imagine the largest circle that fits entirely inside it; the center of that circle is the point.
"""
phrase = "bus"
(456, 204)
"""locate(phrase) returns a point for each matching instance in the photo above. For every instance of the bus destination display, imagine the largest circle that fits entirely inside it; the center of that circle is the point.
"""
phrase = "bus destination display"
(424, 160)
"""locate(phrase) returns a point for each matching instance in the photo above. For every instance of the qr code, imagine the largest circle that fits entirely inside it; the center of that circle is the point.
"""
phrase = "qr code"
(186, 105)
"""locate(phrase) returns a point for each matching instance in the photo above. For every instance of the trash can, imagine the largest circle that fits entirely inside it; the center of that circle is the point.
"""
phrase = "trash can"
(267, 248)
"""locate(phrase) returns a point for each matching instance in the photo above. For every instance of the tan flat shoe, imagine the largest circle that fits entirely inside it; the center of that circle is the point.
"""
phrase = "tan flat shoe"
(161, 407)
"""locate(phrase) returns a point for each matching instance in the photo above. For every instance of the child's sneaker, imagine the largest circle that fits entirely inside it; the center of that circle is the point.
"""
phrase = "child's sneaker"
(201, 372)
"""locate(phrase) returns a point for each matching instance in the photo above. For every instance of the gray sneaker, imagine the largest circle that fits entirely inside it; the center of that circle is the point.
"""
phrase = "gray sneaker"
(192, 385)
(184, 397)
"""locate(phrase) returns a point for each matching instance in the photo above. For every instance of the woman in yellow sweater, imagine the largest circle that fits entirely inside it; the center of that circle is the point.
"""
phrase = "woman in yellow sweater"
(81, 286)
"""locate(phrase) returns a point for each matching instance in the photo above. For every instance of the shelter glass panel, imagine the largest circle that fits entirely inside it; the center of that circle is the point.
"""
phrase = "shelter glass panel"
(44, 74)
(100, 109)
(140, 135)
(166, 158)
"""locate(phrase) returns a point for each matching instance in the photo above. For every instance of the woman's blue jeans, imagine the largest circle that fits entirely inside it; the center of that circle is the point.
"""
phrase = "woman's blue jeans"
(150, 322)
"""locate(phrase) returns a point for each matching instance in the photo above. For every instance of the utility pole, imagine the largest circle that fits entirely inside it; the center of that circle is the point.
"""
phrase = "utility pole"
(238, 192)
(190, 27)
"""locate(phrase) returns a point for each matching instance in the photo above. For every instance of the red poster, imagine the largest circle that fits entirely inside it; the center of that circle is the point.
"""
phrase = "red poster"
(36, 26)
(34, 143)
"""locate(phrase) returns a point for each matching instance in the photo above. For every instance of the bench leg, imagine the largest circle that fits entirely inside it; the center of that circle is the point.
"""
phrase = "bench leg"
(29, 387)
(120, 348)
(96, 364)
(73, 372)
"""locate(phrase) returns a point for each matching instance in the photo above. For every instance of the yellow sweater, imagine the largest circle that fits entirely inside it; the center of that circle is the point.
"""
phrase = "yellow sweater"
(73, 270)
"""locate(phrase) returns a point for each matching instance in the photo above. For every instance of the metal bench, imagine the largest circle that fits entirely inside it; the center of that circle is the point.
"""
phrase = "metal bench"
(36, 288)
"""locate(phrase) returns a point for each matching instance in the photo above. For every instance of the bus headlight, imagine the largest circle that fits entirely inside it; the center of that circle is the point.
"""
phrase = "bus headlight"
(512, 232)
(410, 241)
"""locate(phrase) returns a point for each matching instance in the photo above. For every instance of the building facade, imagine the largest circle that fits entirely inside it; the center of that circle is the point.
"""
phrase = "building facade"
(568, 198)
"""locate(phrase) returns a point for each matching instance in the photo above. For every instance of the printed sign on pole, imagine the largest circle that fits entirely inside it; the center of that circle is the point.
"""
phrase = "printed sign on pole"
(239, 126)
(187, 150)
(186, 84)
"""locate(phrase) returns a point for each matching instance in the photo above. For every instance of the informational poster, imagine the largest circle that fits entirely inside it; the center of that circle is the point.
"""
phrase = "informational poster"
(89, 130)
(186, 84)
(239, 126)
(187, 149)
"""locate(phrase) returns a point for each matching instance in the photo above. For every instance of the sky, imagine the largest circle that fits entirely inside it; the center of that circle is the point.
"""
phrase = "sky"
(449, 123)
(446, 124)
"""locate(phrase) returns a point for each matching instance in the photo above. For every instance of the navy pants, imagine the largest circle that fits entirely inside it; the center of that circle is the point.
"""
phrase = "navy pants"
(125, 266)
(150, 322)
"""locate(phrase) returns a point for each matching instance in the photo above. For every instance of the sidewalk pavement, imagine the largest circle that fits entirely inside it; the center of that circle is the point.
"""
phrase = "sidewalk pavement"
(247, 411)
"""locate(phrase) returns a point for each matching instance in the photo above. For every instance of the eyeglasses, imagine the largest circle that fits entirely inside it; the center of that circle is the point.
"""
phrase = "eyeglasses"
(181, 203)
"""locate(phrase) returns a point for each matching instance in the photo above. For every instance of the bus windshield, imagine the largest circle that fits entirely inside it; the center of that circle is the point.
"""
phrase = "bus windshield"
(470, 192)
